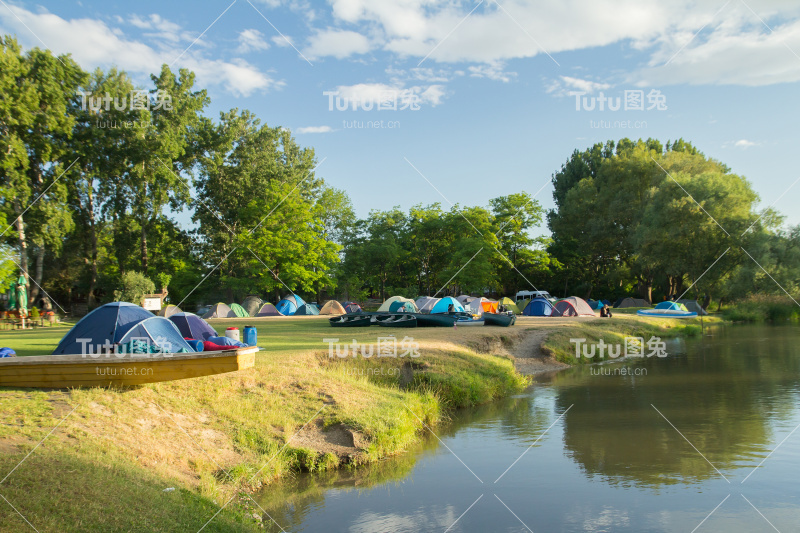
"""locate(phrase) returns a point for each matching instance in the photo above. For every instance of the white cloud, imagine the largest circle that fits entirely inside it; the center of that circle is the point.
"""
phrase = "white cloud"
(93, 43)
(744, 144)
(314, 129)
(251, 40)
(337, 43)
(492, 71)
(370, 94)
(564, 85)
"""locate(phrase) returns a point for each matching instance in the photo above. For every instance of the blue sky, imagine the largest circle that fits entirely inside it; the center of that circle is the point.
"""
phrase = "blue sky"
(493, 90)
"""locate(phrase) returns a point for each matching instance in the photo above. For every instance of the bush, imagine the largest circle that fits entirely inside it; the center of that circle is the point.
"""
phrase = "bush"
(134, 286)
(763, 308)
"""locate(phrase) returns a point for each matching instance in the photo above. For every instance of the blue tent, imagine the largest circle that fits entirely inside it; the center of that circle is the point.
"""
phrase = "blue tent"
(109, 322)
(352, 307)
(158, 331)
(307, 309)
(676, 306)
(443, 305)
(402, 307)
(192, 326)
(290, 304)
(538, 307)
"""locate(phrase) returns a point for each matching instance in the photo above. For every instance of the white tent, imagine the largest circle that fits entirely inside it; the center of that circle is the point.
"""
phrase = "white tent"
(388, 303)
(477, 306)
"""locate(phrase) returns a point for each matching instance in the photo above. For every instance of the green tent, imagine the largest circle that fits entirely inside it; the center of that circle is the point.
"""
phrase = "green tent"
(239, 310)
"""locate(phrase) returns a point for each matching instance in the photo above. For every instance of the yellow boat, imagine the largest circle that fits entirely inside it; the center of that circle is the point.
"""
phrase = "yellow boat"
(67, 371)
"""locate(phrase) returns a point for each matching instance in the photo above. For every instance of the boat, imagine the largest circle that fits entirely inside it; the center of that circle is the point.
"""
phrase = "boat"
(351, 321)
(398, 321)
(119, 370)
(499, 319)
(666, 313)
(427, 320)
(469, 322)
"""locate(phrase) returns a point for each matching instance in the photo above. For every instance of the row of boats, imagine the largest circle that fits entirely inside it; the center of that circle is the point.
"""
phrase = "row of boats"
(413, 320)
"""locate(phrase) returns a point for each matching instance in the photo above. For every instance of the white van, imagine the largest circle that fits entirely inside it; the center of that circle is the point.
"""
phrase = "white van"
(534, 294)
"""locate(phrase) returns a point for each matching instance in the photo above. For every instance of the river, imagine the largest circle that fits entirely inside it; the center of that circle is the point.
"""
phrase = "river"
(701, 440)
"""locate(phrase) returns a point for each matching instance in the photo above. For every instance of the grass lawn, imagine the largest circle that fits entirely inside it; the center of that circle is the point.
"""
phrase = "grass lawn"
(105, 467)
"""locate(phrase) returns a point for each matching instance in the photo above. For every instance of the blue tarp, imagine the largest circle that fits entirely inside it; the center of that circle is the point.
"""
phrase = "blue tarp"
(108, 323)
(290, 304)
(192, 326)
(158, 331)
(538, 307)
(443, 305)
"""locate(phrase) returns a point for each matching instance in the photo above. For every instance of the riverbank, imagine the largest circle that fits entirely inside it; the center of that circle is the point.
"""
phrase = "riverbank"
(305, 406)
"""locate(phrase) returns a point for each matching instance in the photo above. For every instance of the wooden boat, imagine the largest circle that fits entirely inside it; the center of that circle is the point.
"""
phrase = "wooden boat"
(351, 321)
(437, 320)
(67, 371)
(499, 319)
(398, 321)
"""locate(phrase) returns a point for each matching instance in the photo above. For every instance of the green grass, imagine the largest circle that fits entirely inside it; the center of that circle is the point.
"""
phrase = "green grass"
(615, 329)
(106, 465)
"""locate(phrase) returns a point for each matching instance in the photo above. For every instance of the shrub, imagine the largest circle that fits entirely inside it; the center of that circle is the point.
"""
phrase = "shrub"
(762, 308)
(134, 286)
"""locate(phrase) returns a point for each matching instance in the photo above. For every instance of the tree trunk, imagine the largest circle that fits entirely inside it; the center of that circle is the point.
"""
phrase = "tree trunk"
(23, 250)
(706, 301)
(144, 245)
(37, 275)
(90, 298)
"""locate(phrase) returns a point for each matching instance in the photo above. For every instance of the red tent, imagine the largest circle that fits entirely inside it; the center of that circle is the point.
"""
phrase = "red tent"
(572, 306)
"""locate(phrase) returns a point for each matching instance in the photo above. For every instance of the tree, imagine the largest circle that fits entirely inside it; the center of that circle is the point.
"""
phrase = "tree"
(134, 286)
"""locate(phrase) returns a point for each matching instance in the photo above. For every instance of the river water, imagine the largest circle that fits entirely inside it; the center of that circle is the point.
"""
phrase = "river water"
(702, 440)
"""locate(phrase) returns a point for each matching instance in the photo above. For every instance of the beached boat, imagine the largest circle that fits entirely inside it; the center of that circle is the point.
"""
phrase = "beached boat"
(499, 319)
(398, 321)
(442, 321)
(666, 313)
(469, 322)
(351, 321)
(121, 370)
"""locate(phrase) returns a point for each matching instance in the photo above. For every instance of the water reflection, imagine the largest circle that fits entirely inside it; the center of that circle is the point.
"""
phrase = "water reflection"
(612, 463)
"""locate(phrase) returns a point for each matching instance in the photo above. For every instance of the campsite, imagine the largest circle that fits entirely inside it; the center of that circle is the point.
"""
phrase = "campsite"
(398, 266)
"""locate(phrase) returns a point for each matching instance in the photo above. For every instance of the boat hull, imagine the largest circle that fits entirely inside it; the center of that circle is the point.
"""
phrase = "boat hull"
(398, 321)
(69, 371)
(503, 320)
(349, 321)
(442, 321)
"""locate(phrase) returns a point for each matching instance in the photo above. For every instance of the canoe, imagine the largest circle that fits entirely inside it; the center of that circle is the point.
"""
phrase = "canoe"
(666, 313)
(350, 321)
(461, 322)
(441, 321)
(398, 321)
(119, 370)
(499, 319)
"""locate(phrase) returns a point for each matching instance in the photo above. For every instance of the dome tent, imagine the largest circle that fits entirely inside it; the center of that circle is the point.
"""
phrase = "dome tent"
(267, 309)
(478, 306)
(386, 306)
(290, 304)
(623, 303)
(572, 306)
(109, 322)
(332, 307)
(307, 309)
(538, 307)
(239, 311)
(219, 310)
(403, 307)
(675, 306)
(426, 303)
(694, 307)
(169, 310)
(192, 326)
(158, 331)
(252, 304)
(443, 306)
(509, 304)
(352, 307)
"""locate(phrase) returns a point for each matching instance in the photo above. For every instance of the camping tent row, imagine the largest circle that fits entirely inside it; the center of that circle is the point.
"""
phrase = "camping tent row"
(253, 306)
(572, 306)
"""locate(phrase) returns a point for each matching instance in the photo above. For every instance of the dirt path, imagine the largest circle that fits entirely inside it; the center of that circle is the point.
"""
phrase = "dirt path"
(529, 358)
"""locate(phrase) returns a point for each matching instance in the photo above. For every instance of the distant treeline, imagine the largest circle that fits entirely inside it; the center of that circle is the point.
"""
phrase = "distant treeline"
(94, 169)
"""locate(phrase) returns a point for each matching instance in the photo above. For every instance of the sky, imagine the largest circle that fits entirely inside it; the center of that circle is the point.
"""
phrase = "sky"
(422, 101)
